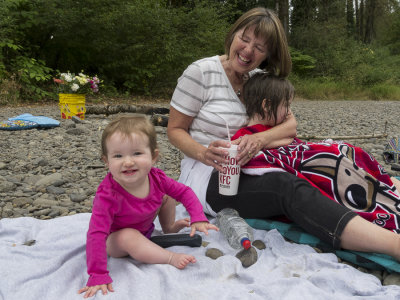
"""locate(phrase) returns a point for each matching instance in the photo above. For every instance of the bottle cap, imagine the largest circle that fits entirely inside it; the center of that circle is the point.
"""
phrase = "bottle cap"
(245, 243)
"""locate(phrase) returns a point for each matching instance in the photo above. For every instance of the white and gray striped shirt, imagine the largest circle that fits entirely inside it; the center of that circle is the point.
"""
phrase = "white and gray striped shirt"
(205, 93)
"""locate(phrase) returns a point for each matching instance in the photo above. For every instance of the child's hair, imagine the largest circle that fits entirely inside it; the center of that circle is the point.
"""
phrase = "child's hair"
(128, 124)
(275, 90)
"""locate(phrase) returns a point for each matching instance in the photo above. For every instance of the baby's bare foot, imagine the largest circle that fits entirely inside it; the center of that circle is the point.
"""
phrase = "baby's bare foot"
(181, 260)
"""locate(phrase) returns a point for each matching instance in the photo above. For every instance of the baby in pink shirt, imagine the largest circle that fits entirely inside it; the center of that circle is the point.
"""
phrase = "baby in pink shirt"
(129, 199)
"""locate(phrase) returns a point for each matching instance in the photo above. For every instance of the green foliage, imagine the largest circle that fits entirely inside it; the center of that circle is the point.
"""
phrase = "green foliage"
(17, 53)
(32, 74)
(384, 92)
(154, 44)
(302, 63)
(324, 89)
(142, 46)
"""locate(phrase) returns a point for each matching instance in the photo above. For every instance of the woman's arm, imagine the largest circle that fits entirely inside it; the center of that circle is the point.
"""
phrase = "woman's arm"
(178, 134)
(280, 135)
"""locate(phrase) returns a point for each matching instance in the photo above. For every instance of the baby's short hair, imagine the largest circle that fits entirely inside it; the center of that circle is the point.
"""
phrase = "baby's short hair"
(127, 124)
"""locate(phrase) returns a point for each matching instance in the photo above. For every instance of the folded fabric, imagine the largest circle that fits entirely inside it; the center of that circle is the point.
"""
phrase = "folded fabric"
(42, 121)
(45, 259)
(17, 125)
(291, 231)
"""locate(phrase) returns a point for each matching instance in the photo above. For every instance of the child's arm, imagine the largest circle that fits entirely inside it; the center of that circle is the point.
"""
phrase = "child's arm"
(96, 253)
(188, 198)
(280, 135)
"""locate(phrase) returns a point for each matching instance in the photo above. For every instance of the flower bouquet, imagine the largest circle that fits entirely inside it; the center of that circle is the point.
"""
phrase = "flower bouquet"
(69, 83)
(72, 91)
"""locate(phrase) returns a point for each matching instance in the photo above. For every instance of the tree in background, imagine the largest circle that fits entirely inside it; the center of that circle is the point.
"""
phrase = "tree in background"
(142, 46)
(347, 38)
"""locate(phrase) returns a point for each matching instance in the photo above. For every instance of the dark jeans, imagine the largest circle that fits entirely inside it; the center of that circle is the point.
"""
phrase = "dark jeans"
(281, 193)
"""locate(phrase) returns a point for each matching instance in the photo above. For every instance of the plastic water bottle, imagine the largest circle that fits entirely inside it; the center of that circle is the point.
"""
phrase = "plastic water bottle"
(235, 229)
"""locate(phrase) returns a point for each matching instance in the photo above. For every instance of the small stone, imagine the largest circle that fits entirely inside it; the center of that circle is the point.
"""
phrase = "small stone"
(42, 212)
(6, 186)
(77, 197)
(21, 201)
(395, 167)
(247, 257)
(54, 213)
(48, 180)
(44, 202)
(29, 243)
(214, 253)
(317, 250)
(204, 244)
(392, 279)
(378, 274)
(55, 190)
(260, 245)
(77, 120)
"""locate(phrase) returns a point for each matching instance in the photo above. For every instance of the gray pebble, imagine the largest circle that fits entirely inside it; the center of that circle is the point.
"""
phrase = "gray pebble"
(77, 197)
(55, 190)
(392, 279)
(260, 245)
(247, 257)
(214, 253)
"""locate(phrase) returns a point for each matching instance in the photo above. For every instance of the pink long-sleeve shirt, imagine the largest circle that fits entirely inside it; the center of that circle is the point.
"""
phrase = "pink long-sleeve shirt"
(114, 209)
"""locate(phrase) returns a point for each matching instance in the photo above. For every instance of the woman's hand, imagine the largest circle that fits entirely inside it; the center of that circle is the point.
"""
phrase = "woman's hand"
(202, 227)
(249, 146)
(215, 154)
(92, 290)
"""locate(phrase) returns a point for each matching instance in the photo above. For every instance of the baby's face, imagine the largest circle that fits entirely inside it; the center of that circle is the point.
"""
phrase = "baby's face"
(129, 159)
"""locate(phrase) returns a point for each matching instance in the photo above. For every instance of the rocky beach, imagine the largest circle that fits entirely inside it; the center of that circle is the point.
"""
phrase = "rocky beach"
(48, 173)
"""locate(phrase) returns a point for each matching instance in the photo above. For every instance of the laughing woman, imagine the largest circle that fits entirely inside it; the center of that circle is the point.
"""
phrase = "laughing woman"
(209, 95)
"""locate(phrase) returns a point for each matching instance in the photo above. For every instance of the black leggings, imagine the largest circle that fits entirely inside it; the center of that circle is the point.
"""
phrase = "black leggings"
(281, 193)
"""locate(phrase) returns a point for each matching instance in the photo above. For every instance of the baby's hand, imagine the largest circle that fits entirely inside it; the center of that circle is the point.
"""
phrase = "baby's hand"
(92, 290)
(203, 227)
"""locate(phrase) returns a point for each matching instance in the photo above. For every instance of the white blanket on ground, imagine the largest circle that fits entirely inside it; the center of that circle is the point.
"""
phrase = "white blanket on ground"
(54, 267)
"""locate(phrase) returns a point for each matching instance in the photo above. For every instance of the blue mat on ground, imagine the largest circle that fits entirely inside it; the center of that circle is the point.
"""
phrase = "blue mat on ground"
(42, 121)
(291, 231)
(28, 121)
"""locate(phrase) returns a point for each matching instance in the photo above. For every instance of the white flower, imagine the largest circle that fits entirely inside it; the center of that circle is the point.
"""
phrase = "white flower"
(66, 76)
(74, 87)
(82, 79)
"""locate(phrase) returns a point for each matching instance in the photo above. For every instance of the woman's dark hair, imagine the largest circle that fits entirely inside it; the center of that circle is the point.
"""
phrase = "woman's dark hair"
(269, 27)
(275, 90)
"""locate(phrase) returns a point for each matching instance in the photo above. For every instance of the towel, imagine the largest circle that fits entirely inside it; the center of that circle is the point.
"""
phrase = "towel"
(342, 172)
(52, 265)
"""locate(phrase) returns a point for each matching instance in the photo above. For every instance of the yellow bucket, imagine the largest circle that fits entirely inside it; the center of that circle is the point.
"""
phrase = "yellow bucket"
(72, 105)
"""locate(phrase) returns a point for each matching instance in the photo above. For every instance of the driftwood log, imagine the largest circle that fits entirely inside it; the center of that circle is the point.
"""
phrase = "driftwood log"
(346, 137)
(125, 108)
(158, 115)
(343, 137)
